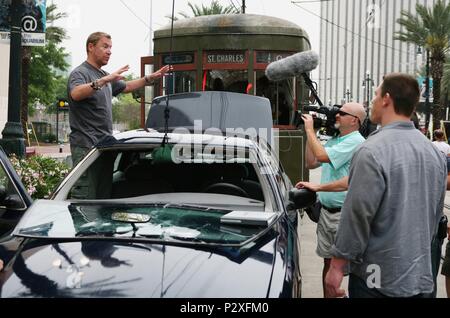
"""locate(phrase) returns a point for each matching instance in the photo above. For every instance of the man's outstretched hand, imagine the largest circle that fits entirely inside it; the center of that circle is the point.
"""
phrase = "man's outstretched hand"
(308, 185)
(117, 75)
(161, 72)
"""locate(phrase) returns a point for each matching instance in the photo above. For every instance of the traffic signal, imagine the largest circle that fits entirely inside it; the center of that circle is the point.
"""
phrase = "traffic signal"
(62, 104)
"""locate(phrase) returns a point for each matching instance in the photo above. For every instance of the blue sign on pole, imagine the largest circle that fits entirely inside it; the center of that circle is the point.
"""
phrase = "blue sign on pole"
(422, 85)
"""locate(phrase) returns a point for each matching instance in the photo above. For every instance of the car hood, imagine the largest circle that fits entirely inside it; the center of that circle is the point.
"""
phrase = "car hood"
(108, 269)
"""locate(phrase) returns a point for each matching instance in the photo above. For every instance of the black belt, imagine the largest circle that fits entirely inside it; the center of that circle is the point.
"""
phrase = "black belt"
(332, 210)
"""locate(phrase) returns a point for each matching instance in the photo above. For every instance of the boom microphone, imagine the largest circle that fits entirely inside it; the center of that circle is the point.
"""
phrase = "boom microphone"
(294, 65)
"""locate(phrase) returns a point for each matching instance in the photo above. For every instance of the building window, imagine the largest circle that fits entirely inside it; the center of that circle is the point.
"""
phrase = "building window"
(281, 95)
(180, 82)
(226, 80)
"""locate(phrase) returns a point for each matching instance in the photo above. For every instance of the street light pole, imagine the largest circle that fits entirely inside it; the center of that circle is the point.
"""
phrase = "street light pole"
(368, 84)
(427, 92)
(13, 140)
(348, 94)
(243, 6)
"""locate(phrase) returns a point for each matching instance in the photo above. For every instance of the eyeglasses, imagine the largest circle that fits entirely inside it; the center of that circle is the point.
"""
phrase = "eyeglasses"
(342, 113)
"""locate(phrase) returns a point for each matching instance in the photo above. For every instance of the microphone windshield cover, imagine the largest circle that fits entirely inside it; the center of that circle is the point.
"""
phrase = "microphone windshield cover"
(294, 65)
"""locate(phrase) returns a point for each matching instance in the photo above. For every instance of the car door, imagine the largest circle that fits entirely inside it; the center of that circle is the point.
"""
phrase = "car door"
(14, 199)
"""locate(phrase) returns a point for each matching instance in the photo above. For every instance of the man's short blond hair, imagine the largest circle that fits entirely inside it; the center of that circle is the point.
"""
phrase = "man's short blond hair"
(95, 37)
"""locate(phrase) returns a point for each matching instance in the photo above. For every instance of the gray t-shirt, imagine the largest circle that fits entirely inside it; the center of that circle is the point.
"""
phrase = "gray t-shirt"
(91, 119)
(393, 206)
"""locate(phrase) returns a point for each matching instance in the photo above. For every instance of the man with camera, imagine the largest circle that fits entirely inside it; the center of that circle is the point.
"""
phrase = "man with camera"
(334, 158)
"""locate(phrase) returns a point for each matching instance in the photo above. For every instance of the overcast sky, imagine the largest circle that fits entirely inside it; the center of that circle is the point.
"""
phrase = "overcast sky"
(128, 22)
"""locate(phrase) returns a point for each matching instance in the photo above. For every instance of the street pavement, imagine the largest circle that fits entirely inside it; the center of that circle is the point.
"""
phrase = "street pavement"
(311, 264)
(61, 152)
(51, 149)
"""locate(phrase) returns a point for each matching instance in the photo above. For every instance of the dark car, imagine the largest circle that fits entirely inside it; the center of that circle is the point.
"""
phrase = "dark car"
(217, 217)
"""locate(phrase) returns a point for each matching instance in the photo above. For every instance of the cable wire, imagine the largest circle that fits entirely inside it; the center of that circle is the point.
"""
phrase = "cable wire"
(234, 6)
(133, 13)
(167, 109)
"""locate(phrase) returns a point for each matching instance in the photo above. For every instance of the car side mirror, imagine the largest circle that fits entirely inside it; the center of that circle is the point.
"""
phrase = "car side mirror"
(12, 201)
(302, 198)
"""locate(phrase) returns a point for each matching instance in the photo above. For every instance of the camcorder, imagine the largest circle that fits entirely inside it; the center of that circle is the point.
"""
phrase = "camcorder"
(326, 122)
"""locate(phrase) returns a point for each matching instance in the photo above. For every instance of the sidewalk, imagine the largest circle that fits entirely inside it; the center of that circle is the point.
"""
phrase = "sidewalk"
(56, 151)
(51, 148)
(311, 265)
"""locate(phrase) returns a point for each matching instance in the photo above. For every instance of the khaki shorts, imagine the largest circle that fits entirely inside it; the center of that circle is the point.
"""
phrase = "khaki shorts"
(326, 232)
(446, 266)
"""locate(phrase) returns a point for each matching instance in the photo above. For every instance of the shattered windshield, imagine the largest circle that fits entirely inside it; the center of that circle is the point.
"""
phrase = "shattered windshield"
(158, 222)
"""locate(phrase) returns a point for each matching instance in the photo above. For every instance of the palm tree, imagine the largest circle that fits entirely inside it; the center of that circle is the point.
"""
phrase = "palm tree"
(430, 28)
(53, 35)
(445, 84)
(214, 8)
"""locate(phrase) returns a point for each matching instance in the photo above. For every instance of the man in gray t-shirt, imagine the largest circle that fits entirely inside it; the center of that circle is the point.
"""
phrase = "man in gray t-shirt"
(395, 199)
(91, 89)
(91, 118)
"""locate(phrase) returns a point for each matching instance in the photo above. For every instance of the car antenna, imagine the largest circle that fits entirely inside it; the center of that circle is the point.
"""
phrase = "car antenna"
(164, 153)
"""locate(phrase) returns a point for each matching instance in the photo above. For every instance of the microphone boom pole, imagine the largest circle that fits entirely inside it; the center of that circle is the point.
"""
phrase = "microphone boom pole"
(310, 85)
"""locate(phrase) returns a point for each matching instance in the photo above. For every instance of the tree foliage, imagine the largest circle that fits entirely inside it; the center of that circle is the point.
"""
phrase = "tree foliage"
(214, 8)
(45, 62)
(44, 80)
(445, 84)
(128, 111)
(429, 28)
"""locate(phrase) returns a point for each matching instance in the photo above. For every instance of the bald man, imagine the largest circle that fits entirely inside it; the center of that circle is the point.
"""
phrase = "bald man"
(335, 159)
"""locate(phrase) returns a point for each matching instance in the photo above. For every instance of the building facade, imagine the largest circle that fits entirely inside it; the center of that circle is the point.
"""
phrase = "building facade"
(357, 47)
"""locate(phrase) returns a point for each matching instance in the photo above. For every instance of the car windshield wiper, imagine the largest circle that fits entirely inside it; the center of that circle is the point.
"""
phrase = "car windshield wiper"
(93, 234)
(186, 239)
(167, 238)
(194, 207)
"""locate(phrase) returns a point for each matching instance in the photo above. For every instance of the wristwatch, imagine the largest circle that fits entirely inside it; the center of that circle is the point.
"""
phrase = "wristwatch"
(95, 85)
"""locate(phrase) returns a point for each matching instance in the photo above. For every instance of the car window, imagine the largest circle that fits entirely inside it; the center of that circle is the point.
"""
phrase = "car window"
(134, 173)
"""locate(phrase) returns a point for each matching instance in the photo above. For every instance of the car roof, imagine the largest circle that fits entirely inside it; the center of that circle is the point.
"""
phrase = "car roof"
(181, 136)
